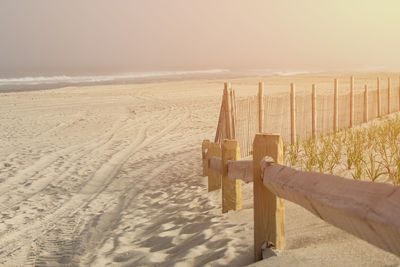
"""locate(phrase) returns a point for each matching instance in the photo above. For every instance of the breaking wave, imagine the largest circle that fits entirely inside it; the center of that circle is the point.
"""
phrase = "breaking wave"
(102, 78)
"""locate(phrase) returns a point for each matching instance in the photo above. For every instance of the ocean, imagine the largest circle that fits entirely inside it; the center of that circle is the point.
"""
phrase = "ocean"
(28, 83)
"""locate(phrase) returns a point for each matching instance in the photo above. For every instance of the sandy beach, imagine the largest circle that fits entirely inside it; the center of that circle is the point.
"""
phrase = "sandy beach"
(111, 176)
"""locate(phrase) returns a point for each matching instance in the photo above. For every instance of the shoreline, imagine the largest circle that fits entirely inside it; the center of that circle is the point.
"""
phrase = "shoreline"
(223, 77)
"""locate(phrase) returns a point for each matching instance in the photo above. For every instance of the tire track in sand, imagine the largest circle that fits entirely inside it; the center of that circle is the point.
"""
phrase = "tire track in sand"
(100, 180)
(49, 248)
(35, 171)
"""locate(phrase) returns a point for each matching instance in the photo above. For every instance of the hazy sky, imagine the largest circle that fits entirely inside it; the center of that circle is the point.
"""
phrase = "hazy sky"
(132, 35)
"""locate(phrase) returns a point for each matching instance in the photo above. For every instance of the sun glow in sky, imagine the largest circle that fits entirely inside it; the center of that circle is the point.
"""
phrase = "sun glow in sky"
(176, 34)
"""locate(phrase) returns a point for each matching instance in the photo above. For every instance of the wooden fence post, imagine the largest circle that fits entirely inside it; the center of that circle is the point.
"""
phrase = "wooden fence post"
(314, 112)
(378, 91)
(269, 212)
(399, 94)
(335, 108)
(231, 189)
(292, 113)
(351, 101)
(228, 114)
(366, 103)
(204, 155)
(214, 178)
(389, 96)
(260, 107)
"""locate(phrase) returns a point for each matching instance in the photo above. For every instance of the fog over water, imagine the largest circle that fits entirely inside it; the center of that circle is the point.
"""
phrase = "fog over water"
(72, 37)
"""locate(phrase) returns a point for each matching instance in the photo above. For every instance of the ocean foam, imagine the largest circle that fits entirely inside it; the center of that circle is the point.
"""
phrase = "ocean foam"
(101, 78)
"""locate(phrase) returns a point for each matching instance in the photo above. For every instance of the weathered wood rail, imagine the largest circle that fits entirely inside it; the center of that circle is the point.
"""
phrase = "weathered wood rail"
(370, 211)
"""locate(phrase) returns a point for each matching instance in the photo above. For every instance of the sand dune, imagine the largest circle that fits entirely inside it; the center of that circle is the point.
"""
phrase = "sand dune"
(110, 175)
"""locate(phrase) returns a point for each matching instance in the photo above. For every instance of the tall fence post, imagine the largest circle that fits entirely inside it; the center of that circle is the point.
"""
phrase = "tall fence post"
(389, 96)
(366, 103)
(231, 189)
(269, 211)
(351, 101)
(204, 155)
(335, 107)
(378, 92)
(292, 113)
(260, 107)
(228, 114)
(214, 178)
(313, 110)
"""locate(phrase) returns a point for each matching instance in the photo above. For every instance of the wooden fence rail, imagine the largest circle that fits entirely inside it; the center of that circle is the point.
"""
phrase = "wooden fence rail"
(370, 211)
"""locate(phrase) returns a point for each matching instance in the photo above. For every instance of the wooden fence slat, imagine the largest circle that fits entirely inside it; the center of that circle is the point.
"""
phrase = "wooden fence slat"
(378, 91)
(314, 112)
(228, 114)
(292, 113)
(370, 211)
(366, 103)
(268, 209)
(221, 122)
(351, 101)
(204, 155)
(231, 189)
(389, 100)
(260, 107)
(232, 113)
(214, 178)
(335, 107)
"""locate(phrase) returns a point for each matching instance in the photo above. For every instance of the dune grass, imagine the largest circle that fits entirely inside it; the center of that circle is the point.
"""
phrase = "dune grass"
(368, 152)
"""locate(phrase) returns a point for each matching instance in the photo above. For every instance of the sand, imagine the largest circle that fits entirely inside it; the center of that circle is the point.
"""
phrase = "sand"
(111, 175)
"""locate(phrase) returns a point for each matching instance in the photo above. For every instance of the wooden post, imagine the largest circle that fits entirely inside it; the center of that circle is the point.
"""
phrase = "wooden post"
(204, 155)
(378, 91)
(389, 96)
(228, 114)
(292, 113)
(399, 93)
(260, 107)
(214, 178)
(231, 189)
(335, 108)
(314, 112)
(351, 101)
(269, 211)
(366, 103)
